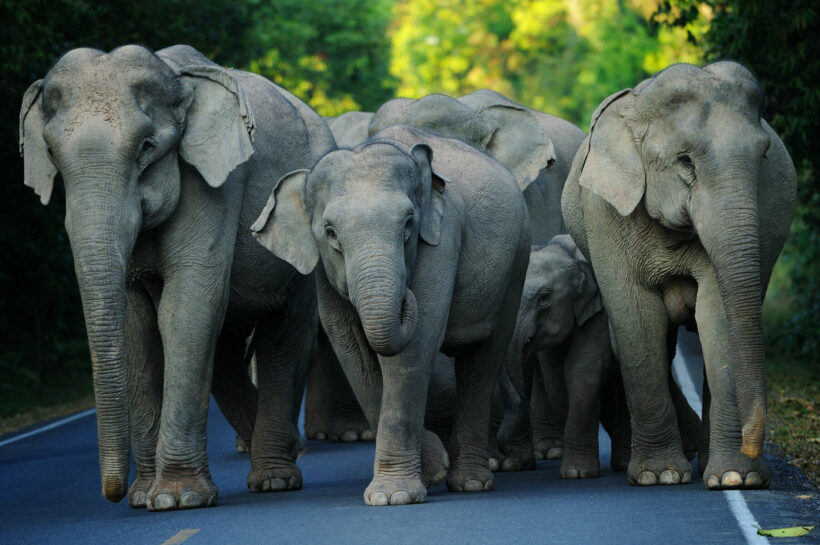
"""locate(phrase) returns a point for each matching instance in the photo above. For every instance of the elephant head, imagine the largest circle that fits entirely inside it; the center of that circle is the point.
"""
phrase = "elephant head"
(690, 145)
(502, 129)
(560, 294)
(115, 126)
(364, 212)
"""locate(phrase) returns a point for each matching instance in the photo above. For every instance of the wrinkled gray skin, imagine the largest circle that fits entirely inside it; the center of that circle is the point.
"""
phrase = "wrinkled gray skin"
(681, 199)
(164, 174)
(407, 268)
(538, 149)
(350, 129)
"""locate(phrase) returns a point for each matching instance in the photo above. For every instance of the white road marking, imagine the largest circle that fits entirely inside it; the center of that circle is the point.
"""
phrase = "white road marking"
(180, 536)
(737, 503)
(48, 427)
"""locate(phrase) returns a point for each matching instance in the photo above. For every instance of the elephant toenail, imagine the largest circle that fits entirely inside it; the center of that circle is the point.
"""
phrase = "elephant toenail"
(320, 436)
(647, 478)
(571, 473)
(350, 436)
(163, 502)
(687, 477)
(378, 498)
(555, 453)
(669, 476)
(189, 500)
(138, 500)
(277, 484)
(401, 497)
(713, 482)
(731, 479)
(539, 455)
(473, 485)
(754, 480)
(494, 466)
(294, 483)
(368, 435)
(488, 485)
(511, 464)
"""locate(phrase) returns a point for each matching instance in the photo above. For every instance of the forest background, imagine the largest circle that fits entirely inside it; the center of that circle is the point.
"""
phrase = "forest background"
(559, 56)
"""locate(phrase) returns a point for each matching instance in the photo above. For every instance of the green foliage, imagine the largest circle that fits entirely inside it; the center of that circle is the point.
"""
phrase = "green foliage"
(561, 56)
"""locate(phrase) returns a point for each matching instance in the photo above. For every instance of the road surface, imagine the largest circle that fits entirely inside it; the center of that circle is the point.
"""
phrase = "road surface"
(50, 493)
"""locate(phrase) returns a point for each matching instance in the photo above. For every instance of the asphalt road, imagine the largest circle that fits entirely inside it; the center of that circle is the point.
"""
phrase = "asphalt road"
(49, 493)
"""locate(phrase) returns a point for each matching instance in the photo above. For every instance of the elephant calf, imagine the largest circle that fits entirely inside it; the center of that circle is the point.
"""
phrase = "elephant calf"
(422, 244)
(681, 198)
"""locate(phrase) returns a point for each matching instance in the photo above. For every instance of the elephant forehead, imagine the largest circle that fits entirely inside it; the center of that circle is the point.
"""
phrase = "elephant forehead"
(366, 168)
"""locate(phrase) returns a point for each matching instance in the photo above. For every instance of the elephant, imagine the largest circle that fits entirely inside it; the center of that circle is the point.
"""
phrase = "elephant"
(350, 129)
(538, 149)
(166, 159)
(405, 267)
(562, 324)
(681, 198)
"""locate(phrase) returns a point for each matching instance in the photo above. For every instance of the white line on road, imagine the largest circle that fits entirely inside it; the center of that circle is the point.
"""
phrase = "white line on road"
(737, 503)
(180, 536)
(51, 426)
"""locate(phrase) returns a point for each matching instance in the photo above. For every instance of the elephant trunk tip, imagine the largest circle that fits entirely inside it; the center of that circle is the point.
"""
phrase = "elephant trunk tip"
(754, 433)
(114, 487)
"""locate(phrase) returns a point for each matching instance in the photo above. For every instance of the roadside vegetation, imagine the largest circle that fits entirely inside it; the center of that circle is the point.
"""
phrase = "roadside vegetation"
(560, 56)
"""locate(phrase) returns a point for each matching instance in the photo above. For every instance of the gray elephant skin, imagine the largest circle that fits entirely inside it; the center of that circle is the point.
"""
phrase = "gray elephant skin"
(167, 159)
(405, 266)
(681, 199)
(350, 129)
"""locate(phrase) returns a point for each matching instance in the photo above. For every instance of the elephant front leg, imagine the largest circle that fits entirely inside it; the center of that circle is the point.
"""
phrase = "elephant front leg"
(546, 432)
(727, 467)
(638, 322)
(190, 317)
(145, 364)
(284, 346)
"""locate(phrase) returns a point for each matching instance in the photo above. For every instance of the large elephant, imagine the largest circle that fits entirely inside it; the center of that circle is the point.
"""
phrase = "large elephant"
(407, 266)
(350, 129)
(167, 159)
(681, 198)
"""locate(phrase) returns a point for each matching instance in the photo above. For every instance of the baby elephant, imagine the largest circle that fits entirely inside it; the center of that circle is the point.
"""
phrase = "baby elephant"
(424, 243)
(561, 323)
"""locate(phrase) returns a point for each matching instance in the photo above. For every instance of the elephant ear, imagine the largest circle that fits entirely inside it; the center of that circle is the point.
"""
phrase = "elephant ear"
(283, 227)
(518, 142)
(219, 124)
(612, 167)
(429, 194)
(39, 171)
(588, 302)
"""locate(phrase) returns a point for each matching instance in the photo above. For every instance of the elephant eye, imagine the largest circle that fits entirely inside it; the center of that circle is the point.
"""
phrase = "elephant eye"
(330, 233)
(685, 161)
(146, 148)
(544, 298)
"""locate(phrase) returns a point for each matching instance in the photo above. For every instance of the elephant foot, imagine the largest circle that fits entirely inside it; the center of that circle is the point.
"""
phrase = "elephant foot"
(241, 445)
(575, 466)
(520, 458)
(670, 469)
(434, 460)
(279, 478)
(193, 492)
(548, 449)
(340, 427)
(138, 492)
(728, 471)
(619, 457)
(469, 479)
(384, 491)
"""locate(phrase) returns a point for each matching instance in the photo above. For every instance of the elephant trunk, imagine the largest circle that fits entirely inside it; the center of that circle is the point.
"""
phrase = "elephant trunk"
(729, 232)
(102, 229)
(387, 307)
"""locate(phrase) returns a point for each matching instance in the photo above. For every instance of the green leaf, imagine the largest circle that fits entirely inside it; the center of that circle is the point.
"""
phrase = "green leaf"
(795, 531)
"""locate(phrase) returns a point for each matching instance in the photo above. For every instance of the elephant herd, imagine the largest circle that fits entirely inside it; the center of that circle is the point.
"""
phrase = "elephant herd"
(473, 283)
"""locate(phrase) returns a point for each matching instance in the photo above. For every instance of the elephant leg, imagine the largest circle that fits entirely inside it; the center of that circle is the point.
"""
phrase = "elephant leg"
(584, 369)
(441, 398)
(545, 429)
(285, 344)
(331, 409)
(145, 373)
(515, 449)
(551, 365)
(727, 467)
(232, 387)
(639, 324)
(703, 437)
(615, 419)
